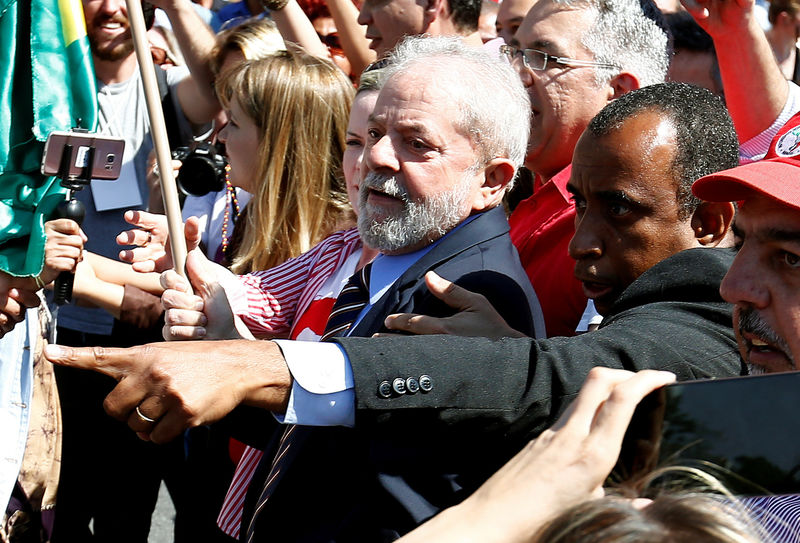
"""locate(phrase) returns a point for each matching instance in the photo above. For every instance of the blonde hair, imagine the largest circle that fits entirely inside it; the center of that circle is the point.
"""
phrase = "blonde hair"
(255, 38)
(688, 504)
(301, 106)
(669, 518)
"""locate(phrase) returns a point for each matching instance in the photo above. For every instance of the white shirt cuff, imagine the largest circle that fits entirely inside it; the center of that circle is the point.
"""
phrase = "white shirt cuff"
(323, 392)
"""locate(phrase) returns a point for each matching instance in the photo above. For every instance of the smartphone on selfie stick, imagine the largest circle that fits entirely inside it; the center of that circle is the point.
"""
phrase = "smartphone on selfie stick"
(76, 157)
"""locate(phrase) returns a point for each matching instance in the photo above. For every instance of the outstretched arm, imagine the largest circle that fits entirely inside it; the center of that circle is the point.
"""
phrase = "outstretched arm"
(183, 384)
(755, 89)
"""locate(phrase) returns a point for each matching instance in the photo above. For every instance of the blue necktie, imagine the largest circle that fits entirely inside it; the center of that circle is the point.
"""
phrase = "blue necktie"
(351, 300)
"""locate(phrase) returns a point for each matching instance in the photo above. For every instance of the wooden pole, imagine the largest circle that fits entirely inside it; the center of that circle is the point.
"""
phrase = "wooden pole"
(169, 191)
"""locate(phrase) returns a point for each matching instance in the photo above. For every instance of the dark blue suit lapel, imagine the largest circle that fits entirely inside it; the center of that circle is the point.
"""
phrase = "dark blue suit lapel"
(485, 226)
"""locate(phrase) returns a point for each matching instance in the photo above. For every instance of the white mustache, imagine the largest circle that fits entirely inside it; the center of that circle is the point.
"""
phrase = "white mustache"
(387, 184)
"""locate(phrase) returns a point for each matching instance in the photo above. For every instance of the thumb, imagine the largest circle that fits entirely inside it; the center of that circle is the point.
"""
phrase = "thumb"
(191, 230)
(450, 293)
(202, 277)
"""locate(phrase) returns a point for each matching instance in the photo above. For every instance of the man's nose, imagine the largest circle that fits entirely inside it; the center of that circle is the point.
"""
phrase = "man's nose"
(381, 155)
(745, 282)
(585, 243)
(364, 16)
(112, 6)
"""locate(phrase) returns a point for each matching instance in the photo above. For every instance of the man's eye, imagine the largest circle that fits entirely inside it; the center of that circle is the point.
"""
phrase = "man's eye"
(419, 145)
(792, 260)
(619, 209)
(354, 143)
(373, 134)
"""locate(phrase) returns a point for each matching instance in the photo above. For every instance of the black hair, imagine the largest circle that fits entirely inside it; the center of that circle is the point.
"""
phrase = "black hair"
(706, 139)
(465, 14)
(687, 34)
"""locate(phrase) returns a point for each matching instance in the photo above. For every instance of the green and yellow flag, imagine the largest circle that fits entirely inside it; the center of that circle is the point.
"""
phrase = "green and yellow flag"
(47, 83)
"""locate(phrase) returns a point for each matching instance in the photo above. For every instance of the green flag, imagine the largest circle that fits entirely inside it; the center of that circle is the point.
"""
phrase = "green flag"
(47, 83)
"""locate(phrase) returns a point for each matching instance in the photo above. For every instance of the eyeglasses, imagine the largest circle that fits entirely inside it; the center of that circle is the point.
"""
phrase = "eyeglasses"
(533, 59)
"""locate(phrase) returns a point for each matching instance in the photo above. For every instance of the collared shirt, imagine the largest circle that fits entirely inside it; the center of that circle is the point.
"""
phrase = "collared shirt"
(322, 392)
(541, 228)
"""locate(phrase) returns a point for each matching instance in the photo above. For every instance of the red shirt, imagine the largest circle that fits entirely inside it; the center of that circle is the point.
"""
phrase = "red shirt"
(541, 227)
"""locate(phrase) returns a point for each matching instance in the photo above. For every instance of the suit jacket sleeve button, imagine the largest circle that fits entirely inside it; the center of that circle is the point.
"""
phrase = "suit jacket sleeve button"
(399, 385)
(412, 385)
(425, 383)
(385, 389)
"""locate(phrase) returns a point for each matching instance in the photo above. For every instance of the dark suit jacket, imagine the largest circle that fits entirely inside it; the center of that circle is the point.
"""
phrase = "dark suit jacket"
(506, 392)
(347, 485)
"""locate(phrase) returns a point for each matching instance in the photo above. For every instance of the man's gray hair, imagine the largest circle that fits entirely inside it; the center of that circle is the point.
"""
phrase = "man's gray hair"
(494, 107)
(625, 33)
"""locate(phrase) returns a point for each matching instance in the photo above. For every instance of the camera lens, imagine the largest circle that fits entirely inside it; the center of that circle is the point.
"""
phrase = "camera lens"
(203, 171)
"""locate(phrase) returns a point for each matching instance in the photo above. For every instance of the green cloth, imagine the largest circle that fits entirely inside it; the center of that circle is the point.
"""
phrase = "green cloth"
(47, 83)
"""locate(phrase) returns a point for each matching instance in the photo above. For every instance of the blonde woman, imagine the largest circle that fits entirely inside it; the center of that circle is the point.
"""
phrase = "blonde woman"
(285, 138)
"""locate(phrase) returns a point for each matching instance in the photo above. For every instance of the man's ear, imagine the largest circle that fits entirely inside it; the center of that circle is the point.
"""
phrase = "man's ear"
(711, 223)
(498, 173)
(434, 10)
(622, 83)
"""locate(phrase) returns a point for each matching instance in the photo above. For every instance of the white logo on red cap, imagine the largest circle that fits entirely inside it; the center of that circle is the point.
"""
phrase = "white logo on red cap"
(789, 144)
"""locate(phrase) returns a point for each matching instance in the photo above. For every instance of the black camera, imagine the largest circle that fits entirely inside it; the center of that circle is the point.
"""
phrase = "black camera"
(203, 168)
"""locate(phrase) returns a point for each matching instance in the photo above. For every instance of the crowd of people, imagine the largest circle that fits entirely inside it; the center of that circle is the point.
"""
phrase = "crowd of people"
(450, 247)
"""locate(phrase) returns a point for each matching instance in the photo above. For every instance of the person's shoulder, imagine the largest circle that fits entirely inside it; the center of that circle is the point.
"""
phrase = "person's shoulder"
(692, 276)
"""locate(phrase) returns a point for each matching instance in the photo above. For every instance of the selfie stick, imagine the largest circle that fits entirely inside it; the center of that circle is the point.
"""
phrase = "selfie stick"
(169, 191)
(71, 209)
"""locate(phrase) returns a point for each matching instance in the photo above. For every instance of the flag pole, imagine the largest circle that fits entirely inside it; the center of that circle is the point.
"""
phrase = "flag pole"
(169, 191)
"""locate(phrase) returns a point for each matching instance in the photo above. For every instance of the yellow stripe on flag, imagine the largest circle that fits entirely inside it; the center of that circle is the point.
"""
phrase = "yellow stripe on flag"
(72, 21)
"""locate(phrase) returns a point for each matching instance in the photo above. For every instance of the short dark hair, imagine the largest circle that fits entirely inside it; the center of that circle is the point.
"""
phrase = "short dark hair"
(465, 14)
(687, 34)
(706, 139)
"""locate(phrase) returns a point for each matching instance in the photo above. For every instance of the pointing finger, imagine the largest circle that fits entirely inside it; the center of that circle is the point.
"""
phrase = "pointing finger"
(116, 363)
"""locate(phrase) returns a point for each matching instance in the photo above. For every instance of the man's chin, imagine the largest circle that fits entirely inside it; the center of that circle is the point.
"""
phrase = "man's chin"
(113, 53)
(760, 362)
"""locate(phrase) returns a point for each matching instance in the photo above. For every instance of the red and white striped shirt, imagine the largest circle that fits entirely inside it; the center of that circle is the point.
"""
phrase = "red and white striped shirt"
(274, 302)
(270, 300)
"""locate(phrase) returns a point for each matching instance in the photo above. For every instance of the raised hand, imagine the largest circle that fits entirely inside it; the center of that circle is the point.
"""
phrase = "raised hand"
(151, 238)
(566, 465)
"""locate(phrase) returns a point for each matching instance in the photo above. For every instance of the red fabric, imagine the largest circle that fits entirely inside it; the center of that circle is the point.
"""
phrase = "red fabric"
(541, 227)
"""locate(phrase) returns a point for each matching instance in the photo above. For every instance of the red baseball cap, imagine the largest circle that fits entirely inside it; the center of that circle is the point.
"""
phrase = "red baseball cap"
(776, 176)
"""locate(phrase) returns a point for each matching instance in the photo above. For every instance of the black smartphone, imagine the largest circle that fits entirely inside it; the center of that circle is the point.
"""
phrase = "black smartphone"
(743, 430)
(107, 160)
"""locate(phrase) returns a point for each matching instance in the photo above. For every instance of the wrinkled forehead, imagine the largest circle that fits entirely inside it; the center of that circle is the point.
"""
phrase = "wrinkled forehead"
(760, 214)
(417, 87)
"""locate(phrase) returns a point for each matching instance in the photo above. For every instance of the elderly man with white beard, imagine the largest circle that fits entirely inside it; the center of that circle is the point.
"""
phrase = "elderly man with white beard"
(448, 131)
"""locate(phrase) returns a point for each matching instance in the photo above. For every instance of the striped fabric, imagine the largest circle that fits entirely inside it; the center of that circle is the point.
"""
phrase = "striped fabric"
(273, 302)
(778, 515)
(351, 300)
(271, 299)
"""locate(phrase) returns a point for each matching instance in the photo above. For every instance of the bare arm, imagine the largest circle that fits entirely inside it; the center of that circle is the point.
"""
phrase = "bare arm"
(295, 27)
(197, 40)
(755, 89)
(566, 465)
(119, 273)
(351, 34)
